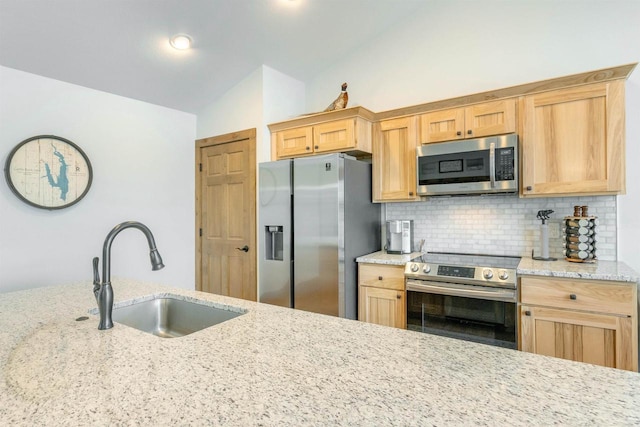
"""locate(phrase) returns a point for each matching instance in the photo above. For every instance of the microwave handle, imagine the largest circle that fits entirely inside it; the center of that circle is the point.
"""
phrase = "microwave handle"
(492, 164)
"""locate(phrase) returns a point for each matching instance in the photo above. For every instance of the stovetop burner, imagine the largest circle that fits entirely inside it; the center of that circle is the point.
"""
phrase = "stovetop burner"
(473, 269)
(478, 260)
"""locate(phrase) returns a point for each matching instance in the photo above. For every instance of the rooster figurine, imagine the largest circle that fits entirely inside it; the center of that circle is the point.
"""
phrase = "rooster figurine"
(341, 100)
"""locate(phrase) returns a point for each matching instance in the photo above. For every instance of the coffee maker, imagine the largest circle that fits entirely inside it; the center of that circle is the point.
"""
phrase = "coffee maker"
(399, 237)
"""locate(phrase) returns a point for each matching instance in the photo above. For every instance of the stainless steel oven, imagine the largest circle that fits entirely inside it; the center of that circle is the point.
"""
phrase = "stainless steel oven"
(466, 296)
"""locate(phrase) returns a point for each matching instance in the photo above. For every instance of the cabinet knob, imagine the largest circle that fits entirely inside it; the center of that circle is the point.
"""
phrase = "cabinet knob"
(573, 296)
(316, 147)
(469, 132)
(527, 313)
(411, 193)
(529, 188)
(458, 133)
(308, 148)
(398, 296)
(379, 277)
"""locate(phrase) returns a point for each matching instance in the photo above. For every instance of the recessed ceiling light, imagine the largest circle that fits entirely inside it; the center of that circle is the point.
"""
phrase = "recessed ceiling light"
(181, 41)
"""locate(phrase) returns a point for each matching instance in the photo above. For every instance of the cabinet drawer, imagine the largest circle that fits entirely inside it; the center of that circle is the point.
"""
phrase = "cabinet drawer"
(381, 276)
(589, 295)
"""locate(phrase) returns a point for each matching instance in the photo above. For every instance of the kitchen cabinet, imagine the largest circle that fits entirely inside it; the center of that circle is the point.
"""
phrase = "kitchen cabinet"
(381, 295)
(582, 320)
(348, 130)
(394, 160)
(573, 141)
(473, 121)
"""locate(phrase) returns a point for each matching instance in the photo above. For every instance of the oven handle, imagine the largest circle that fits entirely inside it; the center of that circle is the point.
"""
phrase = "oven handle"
(468, 291)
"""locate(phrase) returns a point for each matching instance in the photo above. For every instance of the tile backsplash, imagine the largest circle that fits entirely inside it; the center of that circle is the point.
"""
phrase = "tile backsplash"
(503, 224)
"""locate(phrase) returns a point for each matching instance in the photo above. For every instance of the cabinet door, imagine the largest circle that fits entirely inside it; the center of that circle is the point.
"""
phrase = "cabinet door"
(573, 141)
(490, 118)
(445, 125)
(600, 339)
(382, 307)
(394, 160)
(294, 142)
(333, 136)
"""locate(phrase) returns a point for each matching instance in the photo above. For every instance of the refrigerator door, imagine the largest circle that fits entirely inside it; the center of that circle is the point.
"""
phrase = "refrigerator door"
(274, 233)
(318, 187)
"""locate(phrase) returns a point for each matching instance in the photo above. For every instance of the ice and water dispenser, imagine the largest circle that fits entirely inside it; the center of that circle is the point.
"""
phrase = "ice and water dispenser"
(273, 239)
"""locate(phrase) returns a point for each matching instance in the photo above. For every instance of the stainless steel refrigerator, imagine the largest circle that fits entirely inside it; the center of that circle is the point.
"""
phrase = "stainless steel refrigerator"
(315, 218)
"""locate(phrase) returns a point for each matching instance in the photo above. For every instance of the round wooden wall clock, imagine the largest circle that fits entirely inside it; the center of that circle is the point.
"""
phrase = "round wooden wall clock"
(48, 172)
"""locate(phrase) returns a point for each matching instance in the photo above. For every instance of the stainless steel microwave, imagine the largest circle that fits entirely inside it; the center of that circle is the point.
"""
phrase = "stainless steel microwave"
(482, 165)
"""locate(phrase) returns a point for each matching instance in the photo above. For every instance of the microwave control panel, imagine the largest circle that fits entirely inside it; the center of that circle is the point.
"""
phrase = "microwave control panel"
(505, 164)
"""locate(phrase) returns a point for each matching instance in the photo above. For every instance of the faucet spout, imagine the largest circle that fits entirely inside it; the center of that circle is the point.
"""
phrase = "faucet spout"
(104, 291)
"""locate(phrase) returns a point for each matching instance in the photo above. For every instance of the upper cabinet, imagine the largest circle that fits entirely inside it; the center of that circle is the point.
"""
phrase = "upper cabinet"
(394, 160)
(573, 141)
(347, 131)
(474, 121)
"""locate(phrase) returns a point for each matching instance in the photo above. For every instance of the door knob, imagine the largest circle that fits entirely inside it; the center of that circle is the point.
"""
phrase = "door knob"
(245, 248)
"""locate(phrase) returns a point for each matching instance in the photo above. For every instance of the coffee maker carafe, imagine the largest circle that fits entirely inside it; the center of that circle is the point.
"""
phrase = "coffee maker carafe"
(399, 236)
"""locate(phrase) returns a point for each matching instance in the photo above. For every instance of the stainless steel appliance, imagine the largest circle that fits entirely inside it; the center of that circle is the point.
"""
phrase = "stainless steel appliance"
(466, 296)
(399, 236)
(484, 165)
(315, 218)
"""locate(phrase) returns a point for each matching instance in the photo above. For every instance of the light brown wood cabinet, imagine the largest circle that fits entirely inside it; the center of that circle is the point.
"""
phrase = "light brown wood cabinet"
(381, 295)
(581, 320)
(348, 131)
(573, 141)
(394, 160)
(474, 121)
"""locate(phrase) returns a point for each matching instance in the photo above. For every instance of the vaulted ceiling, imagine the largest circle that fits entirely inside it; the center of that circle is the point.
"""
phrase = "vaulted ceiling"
(121, 46)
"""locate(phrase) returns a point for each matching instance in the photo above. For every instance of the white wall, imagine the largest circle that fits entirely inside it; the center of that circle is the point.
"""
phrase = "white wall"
(143, 160)
(455, 47)
(238, 109)
(263, 97)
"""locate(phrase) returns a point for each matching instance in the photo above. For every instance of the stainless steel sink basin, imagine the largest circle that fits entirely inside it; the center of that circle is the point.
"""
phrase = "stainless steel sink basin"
(170, 317)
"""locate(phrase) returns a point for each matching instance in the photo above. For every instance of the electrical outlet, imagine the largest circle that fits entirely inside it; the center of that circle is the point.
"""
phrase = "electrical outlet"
(554, 230)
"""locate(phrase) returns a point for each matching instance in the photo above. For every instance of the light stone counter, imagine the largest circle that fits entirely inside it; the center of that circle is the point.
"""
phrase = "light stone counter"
(280, 367)
(382, 257)
(600, 270)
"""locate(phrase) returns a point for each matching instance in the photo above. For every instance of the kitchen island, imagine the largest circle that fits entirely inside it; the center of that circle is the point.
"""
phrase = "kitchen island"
(278, 366)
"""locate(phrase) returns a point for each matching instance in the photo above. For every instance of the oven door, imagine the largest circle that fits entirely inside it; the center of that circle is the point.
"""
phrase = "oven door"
(474, 313)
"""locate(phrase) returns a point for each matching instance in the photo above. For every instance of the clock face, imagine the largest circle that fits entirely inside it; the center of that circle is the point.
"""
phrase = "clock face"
(48, 172)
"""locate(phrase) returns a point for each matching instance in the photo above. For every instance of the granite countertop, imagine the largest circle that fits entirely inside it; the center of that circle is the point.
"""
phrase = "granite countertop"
(382, 257)
(599, 270)
(278, 366)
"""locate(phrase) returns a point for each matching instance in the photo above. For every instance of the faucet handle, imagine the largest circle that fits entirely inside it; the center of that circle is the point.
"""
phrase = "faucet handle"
(96, 275)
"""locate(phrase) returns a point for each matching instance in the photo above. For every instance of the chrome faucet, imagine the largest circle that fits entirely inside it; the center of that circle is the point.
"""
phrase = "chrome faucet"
(103, 291)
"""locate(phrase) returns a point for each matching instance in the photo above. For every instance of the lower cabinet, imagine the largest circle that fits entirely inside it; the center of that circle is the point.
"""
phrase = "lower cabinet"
(581, 320)
(381, 295)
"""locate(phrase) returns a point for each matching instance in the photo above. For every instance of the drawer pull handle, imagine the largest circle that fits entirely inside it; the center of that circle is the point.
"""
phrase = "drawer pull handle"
(379, 277)
(527, 313)
(573, 296)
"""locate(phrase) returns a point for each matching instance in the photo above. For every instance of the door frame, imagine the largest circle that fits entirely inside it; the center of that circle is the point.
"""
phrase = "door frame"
(247, 134)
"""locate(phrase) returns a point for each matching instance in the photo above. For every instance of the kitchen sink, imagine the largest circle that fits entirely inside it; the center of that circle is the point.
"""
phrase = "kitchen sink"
(171, 317)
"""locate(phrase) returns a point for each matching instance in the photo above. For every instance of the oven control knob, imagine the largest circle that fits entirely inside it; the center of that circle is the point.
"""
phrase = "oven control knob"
(503, 274)
(426, 268)
(487, 273)
(415, 268)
